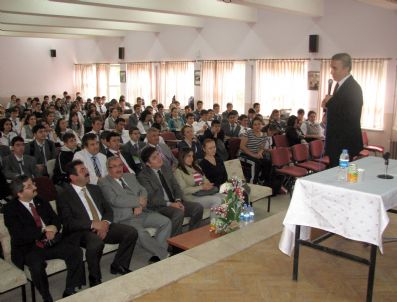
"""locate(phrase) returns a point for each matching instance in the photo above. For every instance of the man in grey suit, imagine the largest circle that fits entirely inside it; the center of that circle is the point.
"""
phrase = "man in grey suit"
(153, 140)
(128, 199)
(134, 117)
(164, 193)
(231, 128)
(133, 149)
(17, 163)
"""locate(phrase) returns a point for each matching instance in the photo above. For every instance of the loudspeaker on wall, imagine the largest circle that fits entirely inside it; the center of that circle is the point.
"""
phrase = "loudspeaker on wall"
(313, 43)
(53, 53)
(121, 53)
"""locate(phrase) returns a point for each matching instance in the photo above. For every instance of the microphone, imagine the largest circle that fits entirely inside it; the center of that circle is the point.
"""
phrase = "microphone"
(330, 81)
(386, 157)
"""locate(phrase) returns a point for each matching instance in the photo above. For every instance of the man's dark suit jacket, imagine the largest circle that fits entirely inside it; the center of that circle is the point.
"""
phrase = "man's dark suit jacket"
(227, 130)
(11, 167)
(72, 212)
(343, 121)
(33, 149)
(129, 152)
(153, 186)
(23, 229)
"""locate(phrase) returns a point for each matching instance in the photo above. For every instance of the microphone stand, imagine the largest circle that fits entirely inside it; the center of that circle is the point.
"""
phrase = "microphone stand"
(386, 176)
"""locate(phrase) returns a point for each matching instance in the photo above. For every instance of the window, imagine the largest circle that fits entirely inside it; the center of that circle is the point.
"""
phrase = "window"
(114, 82)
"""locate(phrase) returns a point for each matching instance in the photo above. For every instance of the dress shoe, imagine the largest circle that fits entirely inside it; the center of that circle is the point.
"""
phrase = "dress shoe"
(154, 259)
(94, 281)
(119, 269)
(68, 293)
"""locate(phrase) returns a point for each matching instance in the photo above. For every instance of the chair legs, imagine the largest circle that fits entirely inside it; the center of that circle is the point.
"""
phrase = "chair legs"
(268, 203)
(23, 289)
(33, 291)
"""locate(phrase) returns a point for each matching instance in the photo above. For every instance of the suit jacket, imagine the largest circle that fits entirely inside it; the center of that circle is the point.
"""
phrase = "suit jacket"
(228, 130)
(122, 200)
(12, 169)
(133, 120)
(86, 158)
(170, 158)
(73, 214)
(153, 186)
(4, 151)
(122, 157)
(33, 149)
(129, 152)
(23, 229)
(343, 121)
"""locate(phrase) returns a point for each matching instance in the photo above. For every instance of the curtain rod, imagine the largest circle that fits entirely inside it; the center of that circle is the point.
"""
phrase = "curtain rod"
(388, 59)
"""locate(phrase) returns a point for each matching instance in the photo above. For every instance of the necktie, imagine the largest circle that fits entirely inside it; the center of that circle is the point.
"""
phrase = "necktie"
(125, 168)
(37, 220)
(43, 154)
(20, 162)
(336, 88)
(166, 187)
(90, 203)
(232, 129)
(96, 168)
(123, 184)
(136, 148)
(15, 123)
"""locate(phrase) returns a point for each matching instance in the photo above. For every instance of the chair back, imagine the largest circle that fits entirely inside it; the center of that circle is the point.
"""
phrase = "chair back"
(5, 240)
(280, 157)
(234, 147)
(45, 188)
(175, 152)
(300, 152)
(316, 148)
(233, 168)
(169, 138)
(365, 138)
(280, 140)
(51, 167)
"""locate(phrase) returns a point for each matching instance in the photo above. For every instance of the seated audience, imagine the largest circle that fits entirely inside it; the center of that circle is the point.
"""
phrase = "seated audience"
(257, 108)
(27, 129)
(300, 116)
(197, 112)
(103, 145)
(34, 228)
(275, 119)
(120, 129)
(18, 163)
(96, 127)
(15, 120)
(61, 129)
(76, 125)
(94, 161)
(189, 120)
(153, 140)
(212, 165)
(164, 193)
(244, 124)
(311, 129)
(113, 142)
(203, 124)
(65, 156)
(6, 132)
(175, 123)
(134, 117)
(192, 181)
(225, 114)
(215, 133)
(111, 119)
(217, 114)
(292, 132)
(231, 129)
(145, 122)
(255, 146)
(159, 122)
(190, 141)
(132, 150)
(128, 200)
(88, 217)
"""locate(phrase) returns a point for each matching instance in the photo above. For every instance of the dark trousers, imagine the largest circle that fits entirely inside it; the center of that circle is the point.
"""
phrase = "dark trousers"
(71, 254)
(126, 236)
(263, 168)
(194, 210)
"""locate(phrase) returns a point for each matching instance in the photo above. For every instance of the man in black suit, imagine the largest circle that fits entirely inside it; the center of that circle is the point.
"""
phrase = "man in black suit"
(33, 227)
(64, 157)
(86, 214)
(132, 150)
(344, 107)
(231, 129)
(164, 193)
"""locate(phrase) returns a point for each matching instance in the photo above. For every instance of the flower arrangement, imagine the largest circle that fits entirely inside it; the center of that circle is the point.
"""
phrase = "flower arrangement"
(225, 218)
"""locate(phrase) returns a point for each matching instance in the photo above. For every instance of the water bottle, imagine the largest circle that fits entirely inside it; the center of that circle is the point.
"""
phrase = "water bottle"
(246, 213)
(343, 165)
(251, 212)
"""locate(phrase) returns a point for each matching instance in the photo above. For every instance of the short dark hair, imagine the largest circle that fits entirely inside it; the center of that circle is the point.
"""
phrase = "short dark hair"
(160, 106)
(88, 137)
(199, 102)
(203, 112)
(215, 122)
(136, 106)
(232, 113)
(111, 134)
(215, 106)
(301, 111)
(95, 119)
(70, 167)
(146, 153)
(189, 115)
(119, 120)
(16, 139)
(251, 110)
(255, 104)
(37, 128)
(311, 112)
(17, 184)
(241, 117)
(229, 104)
(132, 129)
(67, 136)
(291, 121)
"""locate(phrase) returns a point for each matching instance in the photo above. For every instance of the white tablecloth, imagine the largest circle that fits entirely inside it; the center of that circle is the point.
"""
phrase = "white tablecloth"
(355, 211)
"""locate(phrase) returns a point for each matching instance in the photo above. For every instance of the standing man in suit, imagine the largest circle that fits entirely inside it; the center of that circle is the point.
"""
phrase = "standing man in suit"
(41, 148)
(343, 111)
(33, 225)
(231, 129)
(86, 214)
(128, 199)
(153, 140)
(92, 159)
(164, 193)
(18, 163)
(132, 150)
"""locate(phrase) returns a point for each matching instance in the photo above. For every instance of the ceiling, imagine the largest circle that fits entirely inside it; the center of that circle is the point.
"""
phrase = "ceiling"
(115, 18)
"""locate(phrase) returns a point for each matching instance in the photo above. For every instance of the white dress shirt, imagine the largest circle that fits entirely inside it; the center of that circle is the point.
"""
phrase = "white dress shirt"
(84, 201)
(86, 158)
(27, 206)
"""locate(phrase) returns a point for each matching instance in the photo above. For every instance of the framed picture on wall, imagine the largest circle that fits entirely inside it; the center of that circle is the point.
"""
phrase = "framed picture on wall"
(122, 77)
(313, 80)
(197, 78)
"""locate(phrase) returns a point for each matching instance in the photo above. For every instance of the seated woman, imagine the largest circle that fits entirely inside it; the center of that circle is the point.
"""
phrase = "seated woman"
(215, 133)
(293, 133)
(26, 131)
(192, 180)
(190, 141)
(7, 134)
(76, 125)
(145, 122)
(311, 129)
(212, 165)
(255, 146)
(159, 122)
(61, 129)
(275, 120)
(175, 122)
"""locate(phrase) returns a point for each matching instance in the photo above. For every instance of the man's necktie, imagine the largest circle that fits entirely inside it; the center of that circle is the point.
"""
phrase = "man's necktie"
(166, 187)
(232, 130)
(96, 168)
(123, 184)
(90, 203)
(336, 88)
(125, 168)
(20, 163)
(43, 155)
(37, 220)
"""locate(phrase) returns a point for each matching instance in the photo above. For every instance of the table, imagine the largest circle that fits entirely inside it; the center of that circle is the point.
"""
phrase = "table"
(355, 211)
(192, 238)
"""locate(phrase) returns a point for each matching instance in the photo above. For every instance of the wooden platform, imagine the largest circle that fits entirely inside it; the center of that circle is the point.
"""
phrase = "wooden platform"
(192, 238)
